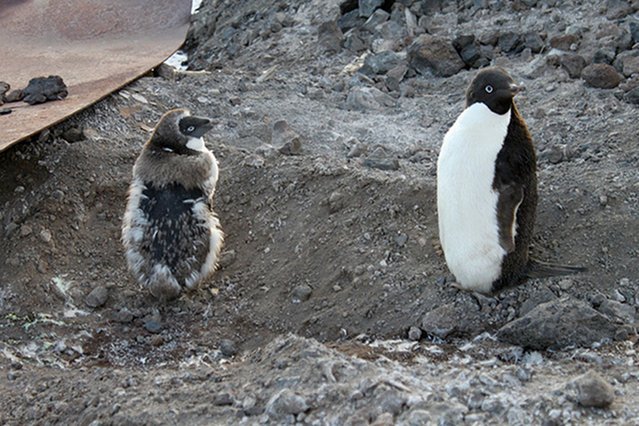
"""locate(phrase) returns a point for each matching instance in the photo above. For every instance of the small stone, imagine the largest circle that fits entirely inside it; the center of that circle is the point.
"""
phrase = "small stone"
(367, 7)
(12, 375)
(152, 326)
(284, 403)
(330, 36)
(227, 258)
(604, 56)
(533, 41)
(123, 316)
(368, 99)
(335, 202)
(414, 333)
(510, 42)
(57, 195)
(97, 297)
(14, 96)
(5, 111)
(594, 391)
(632, 96)
(302, 293)
(630, 65)
(19, 189)
(228, 347)
(381, 163)
(223, 398)
(357, 150)
(602, 76)
(564, 41)
(401, 239)
(138, 97)
(286, 138)
(73, 134)
(254, 160)
(156, 340)
(45, 236)
(25, 230)
(573, 64)
(566, 284)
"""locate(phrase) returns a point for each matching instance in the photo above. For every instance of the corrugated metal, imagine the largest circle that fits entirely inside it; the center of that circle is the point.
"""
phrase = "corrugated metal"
(96, 46)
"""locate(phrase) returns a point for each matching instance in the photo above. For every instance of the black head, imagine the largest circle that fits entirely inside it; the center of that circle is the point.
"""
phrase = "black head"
(493, 87)
(176, 131)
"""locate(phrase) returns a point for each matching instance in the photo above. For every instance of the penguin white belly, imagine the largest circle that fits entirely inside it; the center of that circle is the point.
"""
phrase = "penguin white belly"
(466, 200)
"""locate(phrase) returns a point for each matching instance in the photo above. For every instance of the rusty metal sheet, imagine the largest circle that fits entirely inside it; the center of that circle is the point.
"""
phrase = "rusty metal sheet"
(96, 46)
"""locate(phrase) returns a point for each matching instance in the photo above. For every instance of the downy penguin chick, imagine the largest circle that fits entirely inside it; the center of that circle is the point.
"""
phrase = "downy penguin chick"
(170, 233)
(487, 190)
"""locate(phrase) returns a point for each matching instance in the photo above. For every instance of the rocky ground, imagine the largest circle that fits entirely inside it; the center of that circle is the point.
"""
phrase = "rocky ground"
(333, 304)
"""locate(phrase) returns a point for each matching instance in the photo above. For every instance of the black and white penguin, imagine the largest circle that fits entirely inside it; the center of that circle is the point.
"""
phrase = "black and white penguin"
(487, 190)
(171, 235)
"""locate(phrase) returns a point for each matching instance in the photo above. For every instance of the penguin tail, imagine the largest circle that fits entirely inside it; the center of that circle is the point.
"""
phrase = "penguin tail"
(538, 269)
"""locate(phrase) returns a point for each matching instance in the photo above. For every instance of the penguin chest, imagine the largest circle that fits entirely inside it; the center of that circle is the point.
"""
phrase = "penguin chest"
(168, 228)
(466, 199)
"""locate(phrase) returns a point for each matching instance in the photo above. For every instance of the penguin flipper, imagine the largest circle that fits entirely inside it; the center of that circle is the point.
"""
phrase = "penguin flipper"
(538, 269)
(510, 198)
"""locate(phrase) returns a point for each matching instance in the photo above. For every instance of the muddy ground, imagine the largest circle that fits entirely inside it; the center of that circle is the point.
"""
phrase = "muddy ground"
(333, 304)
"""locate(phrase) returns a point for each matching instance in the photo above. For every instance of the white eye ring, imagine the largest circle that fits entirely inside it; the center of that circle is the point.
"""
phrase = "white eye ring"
(489, 89)
(190, 129)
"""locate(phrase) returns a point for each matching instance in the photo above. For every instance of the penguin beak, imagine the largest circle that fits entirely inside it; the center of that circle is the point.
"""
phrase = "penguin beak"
(516, 88)
(203, 125)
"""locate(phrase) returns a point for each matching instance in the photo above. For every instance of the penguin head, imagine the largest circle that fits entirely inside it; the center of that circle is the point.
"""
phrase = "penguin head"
(178, 132)
(494, 88)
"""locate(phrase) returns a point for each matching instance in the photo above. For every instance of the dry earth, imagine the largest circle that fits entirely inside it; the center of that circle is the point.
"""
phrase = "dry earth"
(333, 304)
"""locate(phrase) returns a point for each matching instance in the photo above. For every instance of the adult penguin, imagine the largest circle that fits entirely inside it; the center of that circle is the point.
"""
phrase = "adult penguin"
(487, 190)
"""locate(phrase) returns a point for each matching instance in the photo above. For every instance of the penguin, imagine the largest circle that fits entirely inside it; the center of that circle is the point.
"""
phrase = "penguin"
(170, 233)
(487, 190)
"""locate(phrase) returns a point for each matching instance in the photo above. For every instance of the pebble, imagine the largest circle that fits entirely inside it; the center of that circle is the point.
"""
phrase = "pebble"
(414, 333)
(401, 239)
(285, 402)
(123, 316)
(566, 284)
(223, 398)
(45, 236)
(228, 347)
(594, 391)
(302, 293)
(335, 202)
(622, 311)
(227, 258)
(381, 163)
(153, 326)
(25, 230)
(97, 297)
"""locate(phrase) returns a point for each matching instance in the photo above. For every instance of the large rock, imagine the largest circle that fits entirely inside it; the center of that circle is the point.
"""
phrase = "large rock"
(601, 76)
(557, 324)
(434, 55)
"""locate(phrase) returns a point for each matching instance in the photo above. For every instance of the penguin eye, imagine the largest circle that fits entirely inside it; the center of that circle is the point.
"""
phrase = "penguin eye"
(190, 129)
(488, 89)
